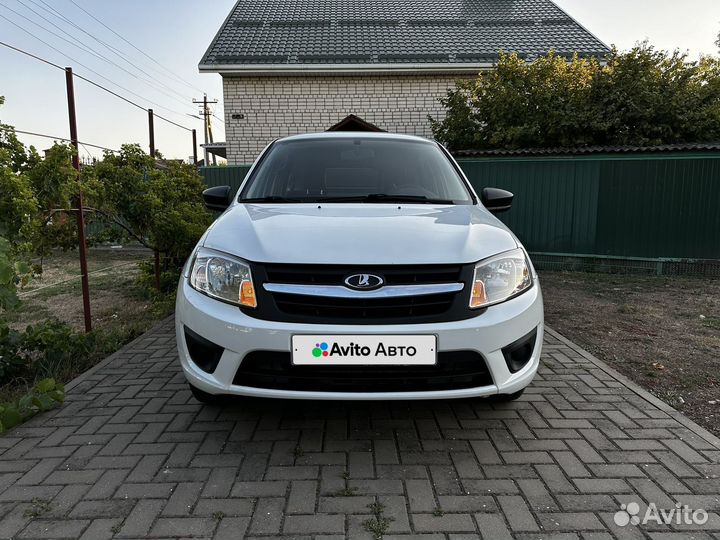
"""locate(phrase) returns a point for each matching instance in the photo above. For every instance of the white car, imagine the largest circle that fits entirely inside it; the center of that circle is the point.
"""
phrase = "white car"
(358, 266)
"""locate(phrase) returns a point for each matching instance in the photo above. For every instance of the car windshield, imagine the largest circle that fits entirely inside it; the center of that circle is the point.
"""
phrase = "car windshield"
(355, 169)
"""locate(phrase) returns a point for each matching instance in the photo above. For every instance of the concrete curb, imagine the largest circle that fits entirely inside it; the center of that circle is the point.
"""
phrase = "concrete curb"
(647, 396)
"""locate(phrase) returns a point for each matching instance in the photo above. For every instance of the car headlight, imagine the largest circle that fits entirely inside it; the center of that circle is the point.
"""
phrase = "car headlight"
(223, 277)
(500, 278)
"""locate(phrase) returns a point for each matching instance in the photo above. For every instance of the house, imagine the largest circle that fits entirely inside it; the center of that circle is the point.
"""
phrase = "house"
(307, 65)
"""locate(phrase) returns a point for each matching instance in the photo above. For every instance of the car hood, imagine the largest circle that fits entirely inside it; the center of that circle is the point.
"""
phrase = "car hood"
(359, 233)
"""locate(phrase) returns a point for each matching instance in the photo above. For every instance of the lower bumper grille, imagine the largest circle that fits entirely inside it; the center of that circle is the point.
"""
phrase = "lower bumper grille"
(347, 308)
(455, 370)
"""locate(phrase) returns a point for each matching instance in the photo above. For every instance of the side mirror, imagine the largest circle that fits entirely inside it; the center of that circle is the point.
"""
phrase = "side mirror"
(496, 200)
(217, 198)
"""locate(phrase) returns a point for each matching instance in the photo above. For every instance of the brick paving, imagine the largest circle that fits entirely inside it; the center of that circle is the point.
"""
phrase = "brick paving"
(132, 455)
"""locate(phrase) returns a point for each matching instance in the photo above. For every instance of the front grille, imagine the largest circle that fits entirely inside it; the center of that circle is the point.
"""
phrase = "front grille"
(274, 370)
(285, 307)
(335, 275)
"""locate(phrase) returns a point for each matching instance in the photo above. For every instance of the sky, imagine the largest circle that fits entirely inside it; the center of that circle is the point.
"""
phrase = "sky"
(176, 33)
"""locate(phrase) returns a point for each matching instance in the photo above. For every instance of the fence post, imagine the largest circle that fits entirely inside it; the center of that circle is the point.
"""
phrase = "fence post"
(82, 246)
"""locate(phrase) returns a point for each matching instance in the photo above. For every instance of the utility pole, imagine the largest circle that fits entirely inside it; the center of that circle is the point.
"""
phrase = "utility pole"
(80, 211)
(194, 135)
(151, 125)
(208, 129)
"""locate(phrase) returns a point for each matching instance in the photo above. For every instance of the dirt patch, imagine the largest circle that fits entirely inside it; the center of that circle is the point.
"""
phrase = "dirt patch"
(115, 298)
(661, 332)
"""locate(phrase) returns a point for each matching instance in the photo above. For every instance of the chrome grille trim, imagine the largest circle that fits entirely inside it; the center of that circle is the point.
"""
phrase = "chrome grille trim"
(338, 291)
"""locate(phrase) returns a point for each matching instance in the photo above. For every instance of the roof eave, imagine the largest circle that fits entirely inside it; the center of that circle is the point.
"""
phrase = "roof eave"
(343, 69)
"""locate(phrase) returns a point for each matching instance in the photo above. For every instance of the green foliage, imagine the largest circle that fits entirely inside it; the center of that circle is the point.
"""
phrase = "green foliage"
(12, 274)
(11, 363)
(50, 349)
(160, 204)
(168, 278)
(640, 97)
(11, 148)
(54, 347)
(44, 396)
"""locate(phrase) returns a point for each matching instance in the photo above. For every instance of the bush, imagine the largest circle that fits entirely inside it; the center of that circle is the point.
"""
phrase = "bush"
(44, 396)
(12, 274)
(11, 363)
(53, 348)
(640, 97)
(50, 349)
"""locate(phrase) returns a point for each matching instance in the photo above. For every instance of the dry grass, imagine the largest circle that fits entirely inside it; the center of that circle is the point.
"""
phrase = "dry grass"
(115, 299)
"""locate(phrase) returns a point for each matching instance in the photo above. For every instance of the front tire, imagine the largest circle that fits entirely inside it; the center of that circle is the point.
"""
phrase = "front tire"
(204, 397)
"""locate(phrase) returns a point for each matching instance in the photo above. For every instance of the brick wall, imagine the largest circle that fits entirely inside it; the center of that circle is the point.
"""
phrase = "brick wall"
(280, 106)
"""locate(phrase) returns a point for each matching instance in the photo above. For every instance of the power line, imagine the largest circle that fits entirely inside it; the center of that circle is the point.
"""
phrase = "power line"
(90, 81)
(133, 46)
(92, 71)
(82, 47)
(119, 53)
(82, 65)
(45, 136)
(27, 53)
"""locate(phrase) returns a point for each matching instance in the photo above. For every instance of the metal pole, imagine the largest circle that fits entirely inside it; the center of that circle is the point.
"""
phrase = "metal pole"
(80, 212)
(151, 124)
(195, 161)
(205, 121)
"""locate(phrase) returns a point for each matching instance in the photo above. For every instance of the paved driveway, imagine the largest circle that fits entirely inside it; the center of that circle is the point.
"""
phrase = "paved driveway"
(133, 455)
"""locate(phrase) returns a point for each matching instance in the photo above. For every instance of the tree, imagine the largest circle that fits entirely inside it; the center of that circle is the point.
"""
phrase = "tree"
(157, 202)
(160, 204)
(15, 153)
(18, 207)
(640, 97)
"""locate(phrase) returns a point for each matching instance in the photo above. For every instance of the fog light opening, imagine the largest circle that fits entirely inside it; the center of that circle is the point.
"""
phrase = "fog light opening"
(518, 353)
(204, 353)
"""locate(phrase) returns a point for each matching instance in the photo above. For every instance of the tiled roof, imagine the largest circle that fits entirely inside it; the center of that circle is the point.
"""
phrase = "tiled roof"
(296, 33)
(582, 150)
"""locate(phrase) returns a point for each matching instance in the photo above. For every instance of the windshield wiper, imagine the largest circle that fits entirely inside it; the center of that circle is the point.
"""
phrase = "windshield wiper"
(387, 198)
(270, 199)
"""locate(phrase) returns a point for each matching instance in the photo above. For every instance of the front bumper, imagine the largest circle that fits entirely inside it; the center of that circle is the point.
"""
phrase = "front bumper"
(239, 334)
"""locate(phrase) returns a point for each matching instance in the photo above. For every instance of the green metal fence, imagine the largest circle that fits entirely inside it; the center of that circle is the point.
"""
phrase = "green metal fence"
(225, 176)
(654, 206)
(651, 208)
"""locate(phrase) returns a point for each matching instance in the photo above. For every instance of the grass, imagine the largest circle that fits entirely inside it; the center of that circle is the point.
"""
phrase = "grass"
(347, 491)
(38, 508)
(121, 309)
(378, 524)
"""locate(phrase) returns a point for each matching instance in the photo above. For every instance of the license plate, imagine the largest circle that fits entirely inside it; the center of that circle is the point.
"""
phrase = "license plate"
(364, 350)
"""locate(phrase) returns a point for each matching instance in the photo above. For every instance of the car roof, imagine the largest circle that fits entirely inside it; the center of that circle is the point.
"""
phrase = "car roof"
(354, 135)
